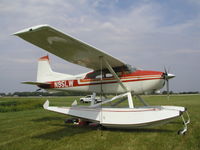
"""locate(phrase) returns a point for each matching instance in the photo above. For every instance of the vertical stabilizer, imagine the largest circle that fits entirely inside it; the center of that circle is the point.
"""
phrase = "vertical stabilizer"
(44, 69)
(45, 73)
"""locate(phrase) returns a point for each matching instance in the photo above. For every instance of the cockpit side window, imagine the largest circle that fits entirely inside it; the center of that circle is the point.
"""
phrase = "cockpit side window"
(109, 75)
(97, 74)
(106, 73)
(93, 75)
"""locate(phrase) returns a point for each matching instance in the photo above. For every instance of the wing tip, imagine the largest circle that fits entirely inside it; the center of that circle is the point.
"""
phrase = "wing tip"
(31, 29)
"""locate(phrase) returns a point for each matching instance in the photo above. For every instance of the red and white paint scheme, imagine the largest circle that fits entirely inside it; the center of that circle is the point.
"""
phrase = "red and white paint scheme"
(108, 75)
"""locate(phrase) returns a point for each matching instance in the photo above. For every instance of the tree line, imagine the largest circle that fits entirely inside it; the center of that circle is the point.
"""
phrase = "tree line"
(44, 94)
(72, 93)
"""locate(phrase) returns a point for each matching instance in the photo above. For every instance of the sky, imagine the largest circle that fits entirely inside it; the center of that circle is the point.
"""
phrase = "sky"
(149, 34)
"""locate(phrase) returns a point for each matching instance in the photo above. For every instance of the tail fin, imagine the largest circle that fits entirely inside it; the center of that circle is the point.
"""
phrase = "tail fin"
(44, 69)
(45, 72)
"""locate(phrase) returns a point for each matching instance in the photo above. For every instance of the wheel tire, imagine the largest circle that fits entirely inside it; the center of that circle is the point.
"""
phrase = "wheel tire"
(100, 127)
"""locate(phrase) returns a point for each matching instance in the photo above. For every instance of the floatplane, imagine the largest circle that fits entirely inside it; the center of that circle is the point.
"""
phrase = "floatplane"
(108, 75)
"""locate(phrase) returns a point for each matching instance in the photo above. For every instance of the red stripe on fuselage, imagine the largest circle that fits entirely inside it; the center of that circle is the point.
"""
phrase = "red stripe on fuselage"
(76, 84)
(138, 75)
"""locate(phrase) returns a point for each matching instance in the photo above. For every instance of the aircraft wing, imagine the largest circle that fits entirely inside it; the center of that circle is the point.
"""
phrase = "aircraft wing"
(67, 47)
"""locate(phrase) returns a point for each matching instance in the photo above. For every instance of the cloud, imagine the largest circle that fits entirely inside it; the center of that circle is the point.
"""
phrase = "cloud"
(140, 30)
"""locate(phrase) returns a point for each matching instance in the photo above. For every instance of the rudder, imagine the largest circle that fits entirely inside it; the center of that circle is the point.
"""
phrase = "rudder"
(44, 69)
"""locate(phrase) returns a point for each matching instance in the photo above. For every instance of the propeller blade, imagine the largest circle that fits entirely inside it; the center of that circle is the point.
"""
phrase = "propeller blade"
(167, 86)
(166, 77)
(165, 70)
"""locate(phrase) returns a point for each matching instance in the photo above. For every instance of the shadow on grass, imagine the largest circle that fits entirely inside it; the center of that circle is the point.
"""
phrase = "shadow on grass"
(71, 130)
(144, 130)
(50, 118)
(65, 131)
(68, 130)
(174, 122)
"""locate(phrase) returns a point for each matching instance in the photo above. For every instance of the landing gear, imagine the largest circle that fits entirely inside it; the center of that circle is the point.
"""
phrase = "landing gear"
(142, 100)
(100, 127)
(188, 121)
(185, 123)
(71, 120)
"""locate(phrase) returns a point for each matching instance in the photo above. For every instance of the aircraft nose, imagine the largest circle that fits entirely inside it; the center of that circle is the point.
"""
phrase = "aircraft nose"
(170, 76)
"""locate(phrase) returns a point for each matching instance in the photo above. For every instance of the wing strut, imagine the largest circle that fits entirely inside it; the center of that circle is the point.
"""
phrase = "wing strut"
(115, 75)
(128, 93)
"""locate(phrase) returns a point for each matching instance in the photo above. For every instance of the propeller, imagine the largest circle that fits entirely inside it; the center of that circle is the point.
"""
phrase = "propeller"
(166, 77)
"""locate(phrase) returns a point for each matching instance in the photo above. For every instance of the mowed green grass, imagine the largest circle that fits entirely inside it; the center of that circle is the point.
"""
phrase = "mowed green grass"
(26, 126)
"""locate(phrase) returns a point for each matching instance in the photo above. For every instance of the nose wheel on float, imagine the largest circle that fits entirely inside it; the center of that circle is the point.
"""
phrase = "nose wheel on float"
(185, 123)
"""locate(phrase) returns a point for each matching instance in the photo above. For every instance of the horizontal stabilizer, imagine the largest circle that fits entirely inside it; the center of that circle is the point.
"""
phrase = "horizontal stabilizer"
(40, 84)
(35, 83)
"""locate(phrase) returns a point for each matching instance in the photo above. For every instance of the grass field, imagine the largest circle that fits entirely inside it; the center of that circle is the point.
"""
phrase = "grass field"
(24, 125)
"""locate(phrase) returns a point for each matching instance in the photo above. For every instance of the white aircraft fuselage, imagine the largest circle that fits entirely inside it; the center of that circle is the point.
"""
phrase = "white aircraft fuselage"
(137, 82)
